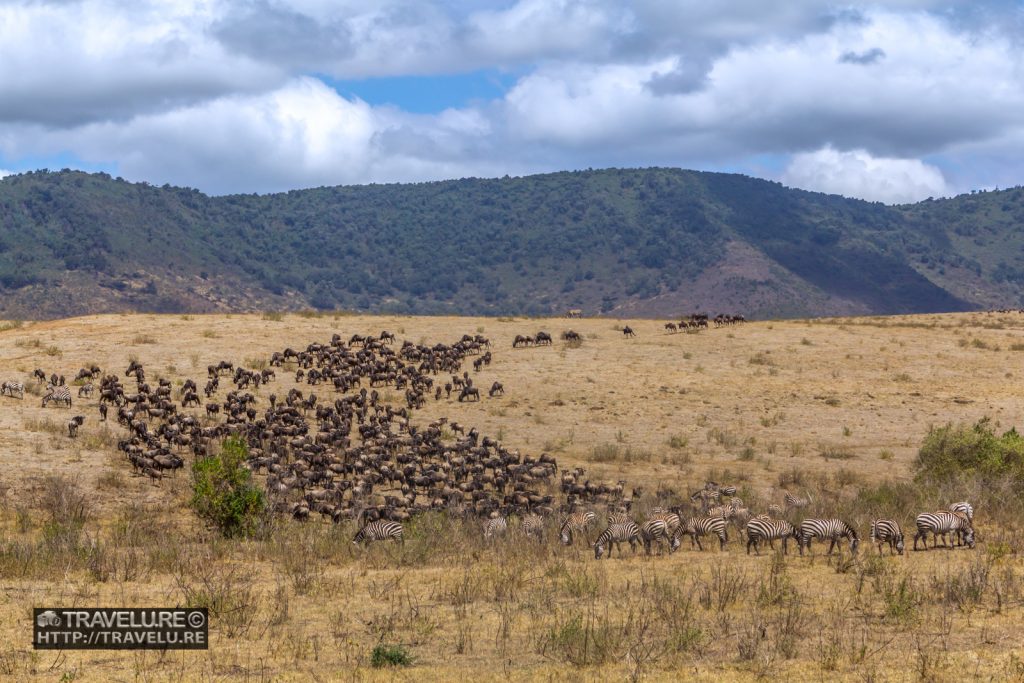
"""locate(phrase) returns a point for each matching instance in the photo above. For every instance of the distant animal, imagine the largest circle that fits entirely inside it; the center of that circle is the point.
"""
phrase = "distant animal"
(468, 393)
(12, 389)
(942, 524)
(760, 529)
(73, 425)
(627, 331)
(614, 536)
(696, 527)
(496, 389)
(574, 313)
(86, 390)
(576, 522)
(60, 395)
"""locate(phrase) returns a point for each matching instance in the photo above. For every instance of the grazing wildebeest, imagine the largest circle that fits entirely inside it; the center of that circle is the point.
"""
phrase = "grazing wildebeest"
(496, 388)
(627, 331)
(73, 425)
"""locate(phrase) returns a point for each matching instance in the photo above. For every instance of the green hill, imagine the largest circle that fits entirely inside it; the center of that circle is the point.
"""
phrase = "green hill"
(650, 242)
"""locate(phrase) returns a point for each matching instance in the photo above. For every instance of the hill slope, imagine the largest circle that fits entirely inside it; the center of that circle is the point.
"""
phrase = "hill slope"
(651, 242)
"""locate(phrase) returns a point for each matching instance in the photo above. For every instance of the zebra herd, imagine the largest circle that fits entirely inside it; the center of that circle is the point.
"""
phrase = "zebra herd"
(665, 528)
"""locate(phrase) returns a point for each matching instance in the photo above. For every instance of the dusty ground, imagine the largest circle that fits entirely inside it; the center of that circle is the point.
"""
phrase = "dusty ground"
(842, 403)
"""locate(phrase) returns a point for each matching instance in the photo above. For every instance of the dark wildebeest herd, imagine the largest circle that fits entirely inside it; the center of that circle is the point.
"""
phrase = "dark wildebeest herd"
(339, 450)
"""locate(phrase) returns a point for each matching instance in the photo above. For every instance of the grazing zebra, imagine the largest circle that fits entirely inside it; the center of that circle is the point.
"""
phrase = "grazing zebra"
(792, 501)
(966, 508)
(619, 518)
(381, 530)
(576, 522)
(671, 519)
(887, 531)
(775, 510)
(85, 390)
(941, 524)
(728, 491)
(57, 394)
(12, 389)
(655, 530)
(613, 537)
(533, 526)
(762, 528)
(832, 529)
(495, 526)
(695, 527)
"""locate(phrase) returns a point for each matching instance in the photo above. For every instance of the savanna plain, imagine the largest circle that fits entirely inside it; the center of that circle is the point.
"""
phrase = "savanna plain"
(838, 410)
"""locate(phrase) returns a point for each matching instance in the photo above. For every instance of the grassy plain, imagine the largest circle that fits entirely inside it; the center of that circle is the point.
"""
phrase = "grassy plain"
(835, 407)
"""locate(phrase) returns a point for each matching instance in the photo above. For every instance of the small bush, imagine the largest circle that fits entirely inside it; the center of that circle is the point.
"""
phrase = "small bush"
(223, 493)
(950, 452)
(273, 316)
(390, 655)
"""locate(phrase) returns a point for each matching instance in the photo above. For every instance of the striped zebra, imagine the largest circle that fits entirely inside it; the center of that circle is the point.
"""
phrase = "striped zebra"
(12, 389)
(86, 390)
(736, 503)
(723, 511)
(831, 529)
(613, 537)
(775, 510)
(533, 526)
(727, 491)
(495, 526)
(792, 501)
(941, 524)
(57, 394)
(763, 528)
(655, 530)
(381, 530)
(671, 519)
(706, 497)
(695, 527)
(887, 531)
(619, 518)
(964, 508)
(576, 522)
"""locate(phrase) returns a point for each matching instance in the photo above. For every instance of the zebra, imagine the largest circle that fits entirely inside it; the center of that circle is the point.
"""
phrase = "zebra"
(723, 511)
(495, 526)
(775, 510)
(792, 501)
(575, 522)
(695, 527)
(727, 491)
(967, 509)
(85, 390)
(832, 529)
(381, 530)
(706, 497)
(619, 518)
(613, 537)
(763, 528)
(941, 524)
(671, 519)
(655, 530)
(533, 526)
(12, 389)
(887, 531)
(57, 394)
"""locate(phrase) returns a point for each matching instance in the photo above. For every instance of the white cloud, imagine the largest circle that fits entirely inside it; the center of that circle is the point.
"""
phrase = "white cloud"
(858, 174)
(4, 173)
(219, 95)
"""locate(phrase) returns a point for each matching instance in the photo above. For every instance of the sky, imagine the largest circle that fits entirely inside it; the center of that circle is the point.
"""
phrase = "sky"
(890, 101)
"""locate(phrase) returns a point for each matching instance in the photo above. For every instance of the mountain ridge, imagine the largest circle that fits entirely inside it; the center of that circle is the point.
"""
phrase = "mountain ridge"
(655, 242)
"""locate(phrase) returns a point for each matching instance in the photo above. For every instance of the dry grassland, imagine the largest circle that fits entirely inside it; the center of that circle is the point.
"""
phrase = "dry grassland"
(831, 406)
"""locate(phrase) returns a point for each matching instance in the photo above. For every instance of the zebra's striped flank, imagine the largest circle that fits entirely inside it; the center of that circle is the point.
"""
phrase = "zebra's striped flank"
(654, 530)
(763, 528)
(57, 394)
(831, 529)
(495, 526)
(941, 524)
(381, 530)
(12, 389)
(533, 526)
(613, 537)
(575, 522)
(887, 531)
(695, 527)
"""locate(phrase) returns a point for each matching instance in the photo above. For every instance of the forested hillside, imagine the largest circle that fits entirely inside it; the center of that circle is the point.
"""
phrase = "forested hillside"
(655, 242)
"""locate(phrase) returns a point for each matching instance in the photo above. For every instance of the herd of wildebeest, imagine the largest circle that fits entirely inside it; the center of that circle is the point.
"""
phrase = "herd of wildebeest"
(332, 445)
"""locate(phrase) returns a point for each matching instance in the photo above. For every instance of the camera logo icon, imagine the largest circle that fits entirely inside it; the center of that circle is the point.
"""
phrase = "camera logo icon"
(47, 618)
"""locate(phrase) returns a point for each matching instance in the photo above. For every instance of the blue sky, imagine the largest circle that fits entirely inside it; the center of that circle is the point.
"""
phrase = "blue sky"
(891, 101)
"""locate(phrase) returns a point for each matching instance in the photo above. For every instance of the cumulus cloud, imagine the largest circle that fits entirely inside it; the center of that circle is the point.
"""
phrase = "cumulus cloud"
(233, 96)
(856, 173)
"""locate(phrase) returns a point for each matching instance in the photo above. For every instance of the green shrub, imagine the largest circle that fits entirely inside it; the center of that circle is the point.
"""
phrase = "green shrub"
(390, 655)
(223, 493)
(952, 452)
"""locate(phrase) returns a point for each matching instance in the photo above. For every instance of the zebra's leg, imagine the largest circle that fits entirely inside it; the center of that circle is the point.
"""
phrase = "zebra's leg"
(697, 539)
(831, 546)
(721, 541)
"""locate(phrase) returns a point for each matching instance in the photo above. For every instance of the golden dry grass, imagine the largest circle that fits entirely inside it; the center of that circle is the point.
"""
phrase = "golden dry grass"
(841, 403)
